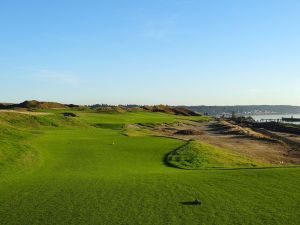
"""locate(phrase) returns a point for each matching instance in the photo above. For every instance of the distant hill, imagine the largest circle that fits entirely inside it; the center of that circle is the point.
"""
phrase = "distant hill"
(171, 110)
(156, 108)
(41, 105)
(33, 104)
(243, 110)
(246, 109)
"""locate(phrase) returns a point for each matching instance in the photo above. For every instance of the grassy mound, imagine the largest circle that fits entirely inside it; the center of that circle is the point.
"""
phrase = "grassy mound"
(14, 149)
(18, 120)
(41, 105)
(17, 129)
(111, 109)
(171, 110)
(33, 104)
(196, 155)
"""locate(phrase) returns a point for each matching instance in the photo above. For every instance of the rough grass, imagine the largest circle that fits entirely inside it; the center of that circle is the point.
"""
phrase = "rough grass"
(17, 129)
(196, 155)
(245, 131)
(114, 126)
(89, 175)
(26, 121)
(134, 131)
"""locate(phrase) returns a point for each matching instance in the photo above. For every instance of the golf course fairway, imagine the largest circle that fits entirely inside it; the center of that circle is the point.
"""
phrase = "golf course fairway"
(74, 172)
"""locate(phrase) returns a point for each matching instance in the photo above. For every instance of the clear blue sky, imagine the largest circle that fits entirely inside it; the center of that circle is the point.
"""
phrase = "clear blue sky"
(191, 52)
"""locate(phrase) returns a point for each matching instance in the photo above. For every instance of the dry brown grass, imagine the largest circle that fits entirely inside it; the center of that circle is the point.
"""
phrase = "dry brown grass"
(24, 112)
(244, 131)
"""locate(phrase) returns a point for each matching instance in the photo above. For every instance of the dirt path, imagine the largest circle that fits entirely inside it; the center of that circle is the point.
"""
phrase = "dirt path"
(220, 135)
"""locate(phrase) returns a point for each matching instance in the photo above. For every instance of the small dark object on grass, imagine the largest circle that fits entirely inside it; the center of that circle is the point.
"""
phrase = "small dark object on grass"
(195, 202)
(69, 114)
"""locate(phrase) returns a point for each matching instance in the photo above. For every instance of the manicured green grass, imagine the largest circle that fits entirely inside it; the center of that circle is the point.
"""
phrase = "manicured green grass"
(88, 175)
(135, 117)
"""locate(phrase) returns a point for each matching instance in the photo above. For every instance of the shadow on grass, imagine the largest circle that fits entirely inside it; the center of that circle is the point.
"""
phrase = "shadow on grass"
(192, 203)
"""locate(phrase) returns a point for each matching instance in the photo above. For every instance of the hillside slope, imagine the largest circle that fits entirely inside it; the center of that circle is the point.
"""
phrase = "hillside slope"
(33, 104)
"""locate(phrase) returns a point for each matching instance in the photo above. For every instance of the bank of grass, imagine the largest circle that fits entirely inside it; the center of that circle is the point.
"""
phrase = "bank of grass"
(13, 147)
(27, 121)
(197, 155)
(16, 132)
(97, 175)
(134, 131)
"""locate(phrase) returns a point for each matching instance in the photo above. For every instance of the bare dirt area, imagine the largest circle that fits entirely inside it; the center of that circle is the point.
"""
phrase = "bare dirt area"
(244, 142)
(294, 150)
(293, 137)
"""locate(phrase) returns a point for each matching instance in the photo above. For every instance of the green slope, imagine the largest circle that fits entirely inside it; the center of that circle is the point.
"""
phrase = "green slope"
(88, 175)
(196, 155)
